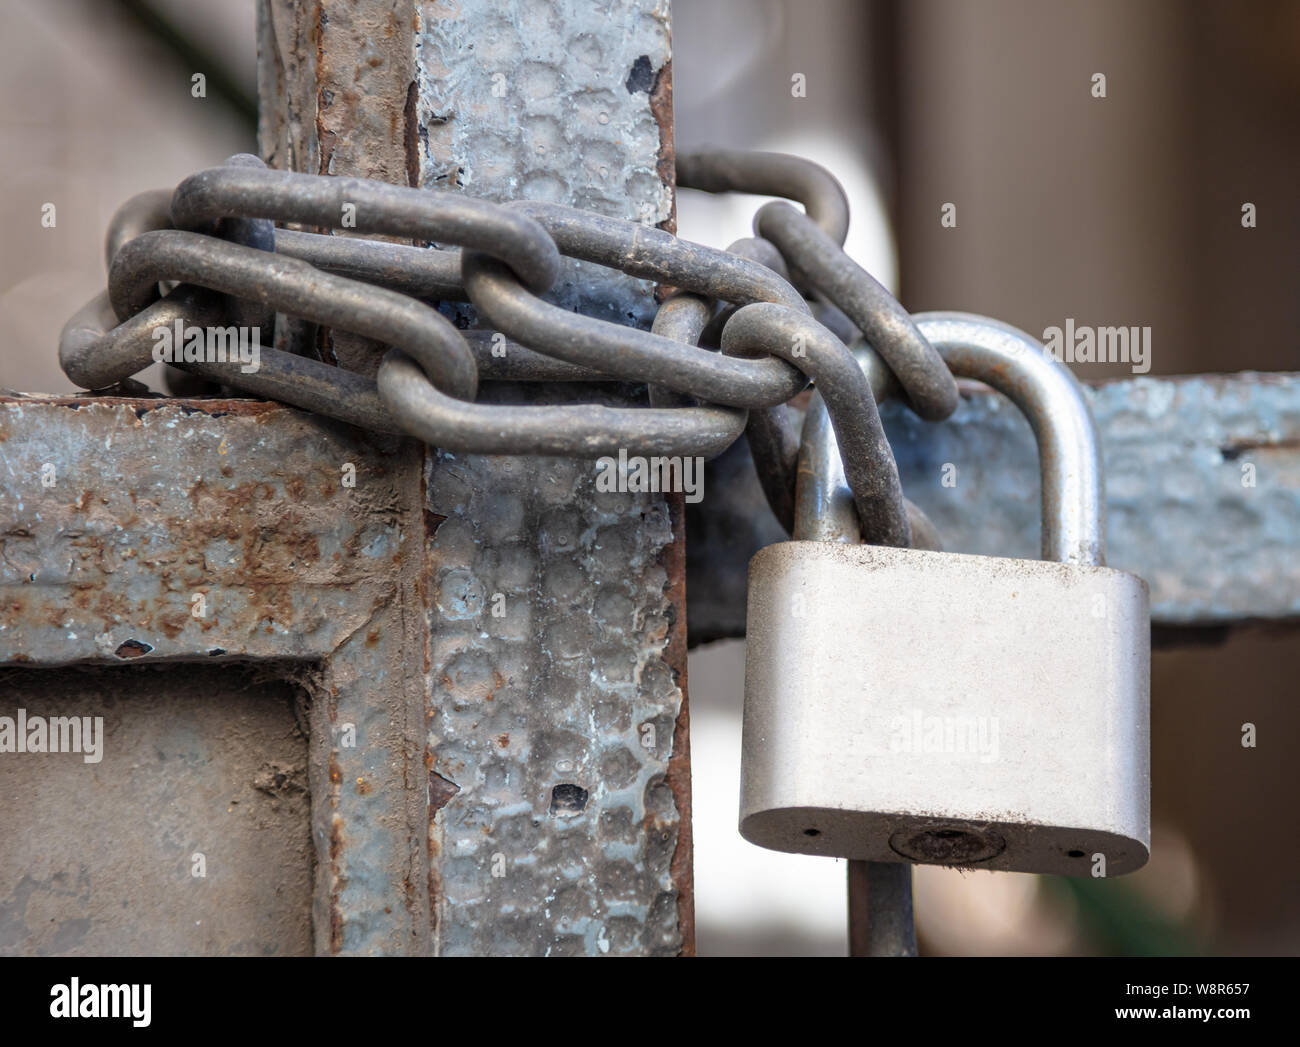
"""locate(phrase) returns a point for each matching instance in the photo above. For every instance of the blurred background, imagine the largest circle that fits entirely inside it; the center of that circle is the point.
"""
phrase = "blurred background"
(1122, 210)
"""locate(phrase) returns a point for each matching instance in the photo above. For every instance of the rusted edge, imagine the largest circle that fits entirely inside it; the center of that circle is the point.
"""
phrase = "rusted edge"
(413, 574)
(661, 108)
(411, 134)
(214, 408)
(324, 136)
(673, 560)
(335, 850)
(440, 790)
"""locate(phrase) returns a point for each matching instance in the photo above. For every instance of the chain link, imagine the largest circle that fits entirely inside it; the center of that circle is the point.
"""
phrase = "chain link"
(214, 252)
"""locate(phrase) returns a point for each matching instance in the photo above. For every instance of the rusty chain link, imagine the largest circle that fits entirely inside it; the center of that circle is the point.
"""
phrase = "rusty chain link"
(215, 252)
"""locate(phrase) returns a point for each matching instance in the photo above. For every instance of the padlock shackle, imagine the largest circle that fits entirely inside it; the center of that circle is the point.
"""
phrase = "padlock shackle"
(824, 509)
(1047, 394)
(1051, 398)
(823, 505)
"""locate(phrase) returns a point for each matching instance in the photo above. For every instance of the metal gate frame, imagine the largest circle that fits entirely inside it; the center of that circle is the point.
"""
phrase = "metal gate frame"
(520, 782)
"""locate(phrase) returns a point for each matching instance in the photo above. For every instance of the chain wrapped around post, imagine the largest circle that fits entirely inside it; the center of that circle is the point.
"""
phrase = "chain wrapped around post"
(217, 235)
(215, 252)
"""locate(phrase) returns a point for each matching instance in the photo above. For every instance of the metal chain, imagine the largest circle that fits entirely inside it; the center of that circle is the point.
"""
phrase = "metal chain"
(219, 235)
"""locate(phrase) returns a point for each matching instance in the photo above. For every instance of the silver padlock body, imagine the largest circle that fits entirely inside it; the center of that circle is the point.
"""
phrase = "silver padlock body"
(903, 705)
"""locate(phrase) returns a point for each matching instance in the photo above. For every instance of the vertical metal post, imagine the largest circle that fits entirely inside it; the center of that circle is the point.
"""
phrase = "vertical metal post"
(542, 621)
(333, 81)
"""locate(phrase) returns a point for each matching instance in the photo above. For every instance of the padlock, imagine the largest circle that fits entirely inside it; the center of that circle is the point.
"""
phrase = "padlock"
(920, 706)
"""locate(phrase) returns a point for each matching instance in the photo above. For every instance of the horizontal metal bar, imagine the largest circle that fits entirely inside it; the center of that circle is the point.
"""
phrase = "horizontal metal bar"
(182, 529)
(1202, 496)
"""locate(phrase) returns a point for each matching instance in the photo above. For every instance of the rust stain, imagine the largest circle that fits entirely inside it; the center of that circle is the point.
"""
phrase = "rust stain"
(673, 559)
(435, 880)
(1234, 448)
(441, 791)
(423, 586)
(336, 857)
(141, 406)
(324, 137)
(173, 624)
(661, 108)
(410, 134)
(270, 525)
(358, 87)
(336, 846)
(12, 611)
(132, 649)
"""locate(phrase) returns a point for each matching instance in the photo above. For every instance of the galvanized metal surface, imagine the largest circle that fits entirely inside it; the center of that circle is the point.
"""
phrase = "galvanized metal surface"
(546, 103)
(554, 722)
(151, 503)
(538, 717)
(122, 519)
(1181, 511)
(479, 783)
(191, 833)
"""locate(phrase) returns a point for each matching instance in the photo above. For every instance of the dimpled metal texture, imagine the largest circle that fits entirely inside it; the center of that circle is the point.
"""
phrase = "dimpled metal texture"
(552, 706)
(1202, 495)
